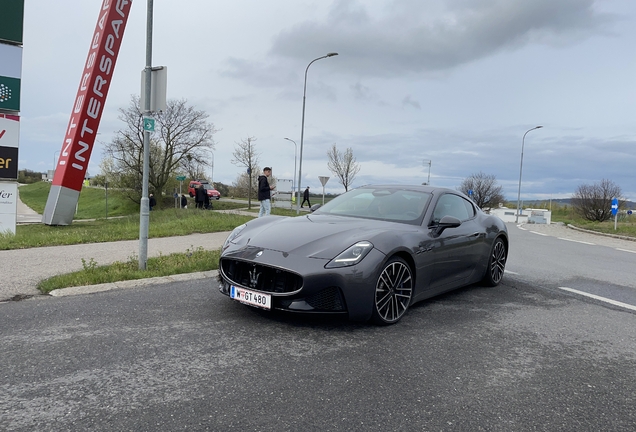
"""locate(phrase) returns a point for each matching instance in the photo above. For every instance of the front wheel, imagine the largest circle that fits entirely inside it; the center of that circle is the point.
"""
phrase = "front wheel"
(393, 292)
(496, 264)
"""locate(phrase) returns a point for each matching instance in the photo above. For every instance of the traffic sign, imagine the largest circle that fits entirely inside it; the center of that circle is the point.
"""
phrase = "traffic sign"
(149, 124)
(181, 177)
(614, 207)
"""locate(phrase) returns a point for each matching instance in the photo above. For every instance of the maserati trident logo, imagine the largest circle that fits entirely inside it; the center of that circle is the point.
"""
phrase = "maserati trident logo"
(254, 275)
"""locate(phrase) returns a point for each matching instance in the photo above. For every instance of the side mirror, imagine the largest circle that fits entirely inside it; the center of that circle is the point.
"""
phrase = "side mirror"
(315, 207)
(445, 222)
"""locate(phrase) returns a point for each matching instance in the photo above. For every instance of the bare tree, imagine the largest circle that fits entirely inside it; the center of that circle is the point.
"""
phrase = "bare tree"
(243, 187)
(245, 155)
(486, 192)
(182, 135)
(343, 166)
(594, 202)
(193, 168)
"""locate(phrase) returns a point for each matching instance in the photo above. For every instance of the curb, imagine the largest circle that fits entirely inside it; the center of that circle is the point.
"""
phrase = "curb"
(616, 236)
(91, 289)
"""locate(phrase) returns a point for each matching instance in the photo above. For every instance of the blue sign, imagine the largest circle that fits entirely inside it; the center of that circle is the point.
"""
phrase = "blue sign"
(614, 206)
(629, 212)
(470, 192)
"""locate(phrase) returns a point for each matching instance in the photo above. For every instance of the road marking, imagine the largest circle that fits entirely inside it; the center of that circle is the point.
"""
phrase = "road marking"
(538, 233)
(576, 241)
(603, 299)
(521, 228)
(625, 250)
(510, 272)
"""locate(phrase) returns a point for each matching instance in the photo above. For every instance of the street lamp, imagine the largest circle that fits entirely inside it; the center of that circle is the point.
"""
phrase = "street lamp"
(302, 132)
(428, 182)
(295, 152)
(212, 176)
(521, 170)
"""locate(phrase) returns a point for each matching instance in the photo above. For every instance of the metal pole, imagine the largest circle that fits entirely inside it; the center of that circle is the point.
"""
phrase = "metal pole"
(144, 213)
(302, 133)
(520, 171)
(212, 176)
(295, 155)
(428, 181)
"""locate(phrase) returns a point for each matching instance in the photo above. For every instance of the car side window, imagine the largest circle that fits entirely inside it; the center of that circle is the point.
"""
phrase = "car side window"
(453, 205)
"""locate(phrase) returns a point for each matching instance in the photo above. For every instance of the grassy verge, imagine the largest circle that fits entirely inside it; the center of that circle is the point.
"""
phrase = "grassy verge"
(626, 226)
(163, 223)
(163, 265)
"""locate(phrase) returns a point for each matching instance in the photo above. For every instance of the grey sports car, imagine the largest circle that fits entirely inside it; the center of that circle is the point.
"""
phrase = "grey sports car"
(370, 253)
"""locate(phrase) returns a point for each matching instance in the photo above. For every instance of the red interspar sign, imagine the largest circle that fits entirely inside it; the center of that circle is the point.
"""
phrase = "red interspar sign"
(91, 95)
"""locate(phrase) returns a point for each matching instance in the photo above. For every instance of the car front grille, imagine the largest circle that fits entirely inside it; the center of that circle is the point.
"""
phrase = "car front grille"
(260, 277)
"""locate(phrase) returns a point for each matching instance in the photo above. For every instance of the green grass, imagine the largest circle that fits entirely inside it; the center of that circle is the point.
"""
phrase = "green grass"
(566, 214)
(163, 223)
(91, 203)
(164, 265)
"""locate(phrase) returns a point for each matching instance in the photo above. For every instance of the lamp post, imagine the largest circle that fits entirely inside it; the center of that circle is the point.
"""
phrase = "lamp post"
(521, 170)
(428, 182)
(302, 132)
(295, 154)
(212, 175)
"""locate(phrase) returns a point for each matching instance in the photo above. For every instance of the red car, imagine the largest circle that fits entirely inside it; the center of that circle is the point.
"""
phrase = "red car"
(212, 193)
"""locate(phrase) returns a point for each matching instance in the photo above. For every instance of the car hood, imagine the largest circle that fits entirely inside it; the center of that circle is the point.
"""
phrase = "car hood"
(314, 236)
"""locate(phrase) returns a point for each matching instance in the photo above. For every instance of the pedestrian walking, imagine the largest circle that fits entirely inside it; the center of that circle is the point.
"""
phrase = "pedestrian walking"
(305, 198)
(152, 201)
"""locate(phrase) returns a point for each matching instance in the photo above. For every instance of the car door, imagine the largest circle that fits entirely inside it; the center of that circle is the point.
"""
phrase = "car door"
(456, 250)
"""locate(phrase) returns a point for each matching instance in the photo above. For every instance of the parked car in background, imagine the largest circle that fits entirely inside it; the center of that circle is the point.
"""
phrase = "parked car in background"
(212, 193)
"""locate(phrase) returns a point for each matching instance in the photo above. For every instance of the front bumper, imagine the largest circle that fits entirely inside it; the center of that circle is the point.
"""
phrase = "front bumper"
(316, 290)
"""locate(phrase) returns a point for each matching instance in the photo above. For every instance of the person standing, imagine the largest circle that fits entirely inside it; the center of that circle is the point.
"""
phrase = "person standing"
(305, 198)
(265, 192)
(152, 201)
(184, 201)
(200, 194)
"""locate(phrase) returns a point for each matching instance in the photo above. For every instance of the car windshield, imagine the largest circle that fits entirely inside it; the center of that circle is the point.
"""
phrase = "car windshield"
(396, 205)
(207, 186)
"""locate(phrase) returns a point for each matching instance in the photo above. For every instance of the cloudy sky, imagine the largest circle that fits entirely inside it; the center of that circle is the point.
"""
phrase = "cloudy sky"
(453, 82)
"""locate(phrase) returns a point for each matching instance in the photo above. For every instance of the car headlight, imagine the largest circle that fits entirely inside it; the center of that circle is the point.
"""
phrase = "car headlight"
(233, 235)
(352, 256)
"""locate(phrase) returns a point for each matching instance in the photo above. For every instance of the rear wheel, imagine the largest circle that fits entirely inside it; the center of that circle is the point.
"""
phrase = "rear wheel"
(496, 263)
(393, 292)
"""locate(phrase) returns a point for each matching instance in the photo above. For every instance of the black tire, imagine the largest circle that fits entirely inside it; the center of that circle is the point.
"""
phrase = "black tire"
(496, 263)
(393, 292)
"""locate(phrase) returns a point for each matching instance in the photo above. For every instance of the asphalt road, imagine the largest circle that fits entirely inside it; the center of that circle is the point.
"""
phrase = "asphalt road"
(183, 357)
(180, 356)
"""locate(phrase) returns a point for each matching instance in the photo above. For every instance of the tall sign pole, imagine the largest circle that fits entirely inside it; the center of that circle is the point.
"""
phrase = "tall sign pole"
(144, 213)
(87, 112)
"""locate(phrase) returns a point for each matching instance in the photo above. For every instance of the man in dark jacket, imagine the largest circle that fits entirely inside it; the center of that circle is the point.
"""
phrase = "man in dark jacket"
(305, 198)
(264, 192)
(151, 201)
(200, 194)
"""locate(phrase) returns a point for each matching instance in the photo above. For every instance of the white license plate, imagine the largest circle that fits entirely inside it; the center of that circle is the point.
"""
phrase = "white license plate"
(251, 298)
